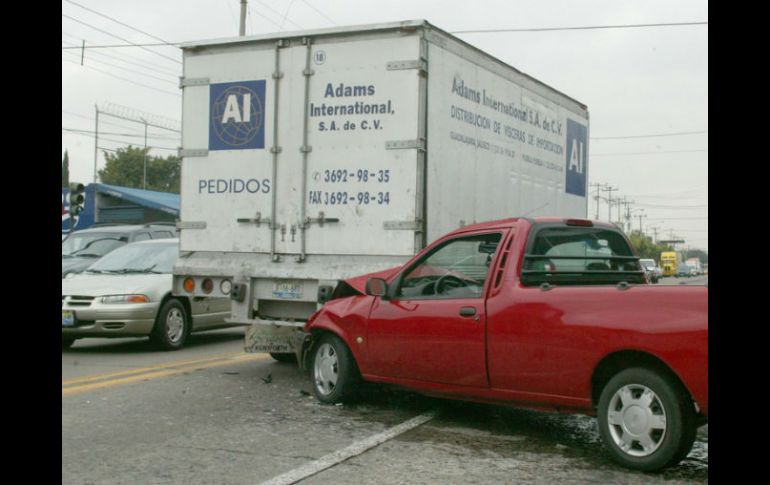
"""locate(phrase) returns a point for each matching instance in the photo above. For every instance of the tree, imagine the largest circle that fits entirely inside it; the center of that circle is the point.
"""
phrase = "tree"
(65, 171)
(125, 167)
(644, 246)
(703, 256)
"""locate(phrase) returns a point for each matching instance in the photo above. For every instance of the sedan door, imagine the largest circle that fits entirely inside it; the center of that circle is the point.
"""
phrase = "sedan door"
(433, 329)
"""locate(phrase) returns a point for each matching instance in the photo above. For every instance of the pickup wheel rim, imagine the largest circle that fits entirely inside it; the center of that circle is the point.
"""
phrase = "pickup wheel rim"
(326, 369)
(174, 325)
(637, 420)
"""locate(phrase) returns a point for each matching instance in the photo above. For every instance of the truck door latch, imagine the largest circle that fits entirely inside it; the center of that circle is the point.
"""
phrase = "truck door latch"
(320, 220)
(255, 220)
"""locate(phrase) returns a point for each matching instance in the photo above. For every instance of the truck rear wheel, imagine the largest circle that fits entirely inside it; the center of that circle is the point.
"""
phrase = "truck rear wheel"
(334, 372)
(646, 422)
(284, 357)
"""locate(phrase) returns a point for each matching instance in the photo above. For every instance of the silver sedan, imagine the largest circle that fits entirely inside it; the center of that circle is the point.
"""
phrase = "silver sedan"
(127, 293)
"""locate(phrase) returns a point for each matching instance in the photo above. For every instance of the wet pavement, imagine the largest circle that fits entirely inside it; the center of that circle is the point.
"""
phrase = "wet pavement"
(251, 421)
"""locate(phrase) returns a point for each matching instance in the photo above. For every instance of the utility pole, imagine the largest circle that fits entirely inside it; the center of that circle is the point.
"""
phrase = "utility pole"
(144, 183)
(243, 18)
(597, 197)
(640, 221)
(655, 234)
(96, 140)
(609, 201)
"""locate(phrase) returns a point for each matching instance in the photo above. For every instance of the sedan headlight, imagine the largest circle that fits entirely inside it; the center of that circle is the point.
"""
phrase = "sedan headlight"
(125, 299)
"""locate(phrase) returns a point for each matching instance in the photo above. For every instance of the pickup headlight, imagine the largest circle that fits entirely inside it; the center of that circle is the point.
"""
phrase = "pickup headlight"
(125, 299)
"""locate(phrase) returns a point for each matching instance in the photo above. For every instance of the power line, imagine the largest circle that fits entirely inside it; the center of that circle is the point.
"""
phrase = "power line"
(124, 142)
(119, 22)
(319, 12)
(647, 153)
(144, 64)
(279, 15)
(131, 135)
(124, 79)
(175, 83)
(648, 136)
(121, 38)
(113, 46)
(592, 27)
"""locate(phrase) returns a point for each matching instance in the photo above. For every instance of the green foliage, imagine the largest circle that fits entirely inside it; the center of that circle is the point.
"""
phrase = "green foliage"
(125, 168)
(703, 256)
(645, 248)
(65, 171)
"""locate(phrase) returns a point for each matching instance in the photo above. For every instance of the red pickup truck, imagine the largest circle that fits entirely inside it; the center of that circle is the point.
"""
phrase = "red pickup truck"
(545, 313)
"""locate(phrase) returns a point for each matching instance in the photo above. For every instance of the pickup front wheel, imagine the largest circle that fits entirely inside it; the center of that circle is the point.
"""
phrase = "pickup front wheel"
(646, 422)
(334, 371)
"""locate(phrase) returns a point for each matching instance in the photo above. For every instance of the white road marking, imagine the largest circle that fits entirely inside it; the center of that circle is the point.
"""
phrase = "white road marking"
(355, 449)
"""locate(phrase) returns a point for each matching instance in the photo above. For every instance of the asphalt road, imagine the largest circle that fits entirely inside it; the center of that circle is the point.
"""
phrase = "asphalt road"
(210, 414)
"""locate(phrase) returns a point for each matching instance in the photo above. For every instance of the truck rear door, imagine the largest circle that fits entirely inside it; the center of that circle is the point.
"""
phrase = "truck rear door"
(302, 146)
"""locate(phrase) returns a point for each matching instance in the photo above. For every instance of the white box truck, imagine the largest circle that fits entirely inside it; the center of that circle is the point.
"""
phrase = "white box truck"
(310, 157)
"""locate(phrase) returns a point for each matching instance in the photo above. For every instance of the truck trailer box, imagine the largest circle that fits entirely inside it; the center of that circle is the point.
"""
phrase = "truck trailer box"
(310, 157)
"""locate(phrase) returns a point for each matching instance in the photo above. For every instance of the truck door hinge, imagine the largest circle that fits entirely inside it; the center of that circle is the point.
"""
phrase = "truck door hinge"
(192, 152)
(420, 64)
(185, 82)
(415, 225)
(418, 144)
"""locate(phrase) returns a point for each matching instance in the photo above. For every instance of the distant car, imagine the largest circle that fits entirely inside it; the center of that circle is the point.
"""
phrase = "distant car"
(81, 248)
(127, 293)
(651, 269)
(682, 271)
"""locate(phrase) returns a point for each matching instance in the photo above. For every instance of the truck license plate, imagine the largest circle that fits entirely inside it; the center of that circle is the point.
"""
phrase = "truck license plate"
(289, 289)
(67, 318)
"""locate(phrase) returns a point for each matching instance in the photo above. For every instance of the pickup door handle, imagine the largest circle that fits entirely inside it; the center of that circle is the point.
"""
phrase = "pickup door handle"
(467, 311)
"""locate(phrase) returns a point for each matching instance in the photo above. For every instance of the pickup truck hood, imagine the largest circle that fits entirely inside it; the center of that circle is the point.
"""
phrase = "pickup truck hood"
(359, 282)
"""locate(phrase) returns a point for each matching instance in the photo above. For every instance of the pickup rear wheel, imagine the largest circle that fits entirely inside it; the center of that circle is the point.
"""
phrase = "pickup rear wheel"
(645, 421)
(334, 371)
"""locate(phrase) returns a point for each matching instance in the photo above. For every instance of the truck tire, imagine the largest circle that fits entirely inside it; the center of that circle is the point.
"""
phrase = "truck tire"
(172, 326)
(284, 357)
(66, 342)
(334, 373)
(646, 422)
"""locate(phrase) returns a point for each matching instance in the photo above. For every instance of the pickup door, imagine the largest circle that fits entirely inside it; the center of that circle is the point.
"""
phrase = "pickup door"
(433, 328)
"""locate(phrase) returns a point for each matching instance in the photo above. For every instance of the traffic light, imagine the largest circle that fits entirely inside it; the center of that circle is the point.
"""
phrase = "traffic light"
(77, 199)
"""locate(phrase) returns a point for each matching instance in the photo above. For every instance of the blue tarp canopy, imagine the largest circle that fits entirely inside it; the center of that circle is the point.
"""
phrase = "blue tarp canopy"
(162, 201)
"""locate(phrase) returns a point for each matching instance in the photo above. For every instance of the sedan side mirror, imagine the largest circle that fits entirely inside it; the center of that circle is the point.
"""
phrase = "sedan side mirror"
(377, 287)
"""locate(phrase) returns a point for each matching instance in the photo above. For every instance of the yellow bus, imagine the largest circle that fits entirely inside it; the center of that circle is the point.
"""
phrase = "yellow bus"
(668, 262)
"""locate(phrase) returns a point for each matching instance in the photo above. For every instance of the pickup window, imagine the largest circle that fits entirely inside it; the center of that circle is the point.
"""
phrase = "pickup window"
(456, 269)
(579, 256)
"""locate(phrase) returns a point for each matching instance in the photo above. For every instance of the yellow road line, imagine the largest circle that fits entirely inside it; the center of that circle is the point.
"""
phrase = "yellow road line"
(108, 375)
(69, 391)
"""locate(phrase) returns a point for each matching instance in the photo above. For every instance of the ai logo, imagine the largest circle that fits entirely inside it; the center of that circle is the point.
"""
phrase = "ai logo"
(577, 162)
(237, 115)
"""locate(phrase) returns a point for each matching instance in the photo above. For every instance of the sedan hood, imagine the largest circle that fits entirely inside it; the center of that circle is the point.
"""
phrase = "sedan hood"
(111, 284)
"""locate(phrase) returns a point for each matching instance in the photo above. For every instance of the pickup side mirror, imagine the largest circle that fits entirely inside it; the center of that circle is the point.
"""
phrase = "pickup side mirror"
(377, 287)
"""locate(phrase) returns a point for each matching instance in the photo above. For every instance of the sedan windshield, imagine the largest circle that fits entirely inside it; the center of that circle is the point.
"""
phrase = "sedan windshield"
(93, 244)
(139, 258)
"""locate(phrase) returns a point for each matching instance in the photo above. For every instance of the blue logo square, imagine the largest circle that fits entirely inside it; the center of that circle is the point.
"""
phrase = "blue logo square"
(577, 158)
(237, 115)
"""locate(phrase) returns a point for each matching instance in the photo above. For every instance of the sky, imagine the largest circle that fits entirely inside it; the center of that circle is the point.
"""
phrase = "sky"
(646, 88)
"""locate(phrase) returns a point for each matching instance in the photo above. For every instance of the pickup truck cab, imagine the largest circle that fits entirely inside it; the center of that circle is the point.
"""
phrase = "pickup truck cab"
(545, 313)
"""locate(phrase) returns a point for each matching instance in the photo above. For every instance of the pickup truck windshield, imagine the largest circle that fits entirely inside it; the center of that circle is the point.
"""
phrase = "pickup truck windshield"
(579, 255)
